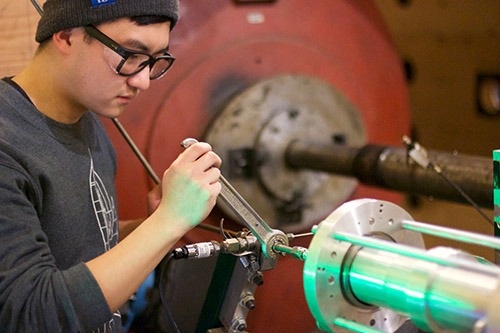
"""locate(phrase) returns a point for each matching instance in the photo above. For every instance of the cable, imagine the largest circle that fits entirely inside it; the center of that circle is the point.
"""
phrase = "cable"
(170, 317)
(438, 170)
(417, 153)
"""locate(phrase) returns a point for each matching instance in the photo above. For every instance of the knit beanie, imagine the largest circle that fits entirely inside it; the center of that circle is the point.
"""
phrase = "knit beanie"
(59, 15)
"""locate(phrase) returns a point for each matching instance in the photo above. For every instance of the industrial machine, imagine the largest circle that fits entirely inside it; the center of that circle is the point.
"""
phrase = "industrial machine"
(267, 82)
(323, 63)
(306, 102)
(366, 269)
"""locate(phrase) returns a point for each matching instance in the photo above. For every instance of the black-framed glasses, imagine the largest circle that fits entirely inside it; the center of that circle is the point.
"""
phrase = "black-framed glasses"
(128, 62)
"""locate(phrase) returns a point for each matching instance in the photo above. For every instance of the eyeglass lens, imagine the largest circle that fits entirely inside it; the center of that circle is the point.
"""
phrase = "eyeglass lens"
(135, 63)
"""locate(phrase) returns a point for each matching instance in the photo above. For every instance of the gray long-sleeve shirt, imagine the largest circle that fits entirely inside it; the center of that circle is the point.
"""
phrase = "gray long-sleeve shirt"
(57, 211)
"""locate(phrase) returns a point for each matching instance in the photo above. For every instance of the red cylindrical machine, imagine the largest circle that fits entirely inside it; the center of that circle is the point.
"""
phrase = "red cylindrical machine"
(224, 47)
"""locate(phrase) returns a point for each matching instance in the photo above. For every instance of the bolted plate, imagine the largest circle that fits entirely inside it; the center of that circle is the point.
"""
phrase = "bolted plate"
(326, 257)
(253, 131)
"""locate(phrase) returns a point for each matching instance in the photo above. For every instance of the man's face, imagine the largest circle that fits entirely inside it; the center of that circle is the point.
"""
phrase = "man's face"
(95, 84)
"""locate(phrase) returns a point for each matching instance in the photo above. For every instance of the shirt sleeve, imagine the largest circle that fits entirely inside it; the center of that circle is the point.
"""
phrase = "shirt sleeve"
(35, 296)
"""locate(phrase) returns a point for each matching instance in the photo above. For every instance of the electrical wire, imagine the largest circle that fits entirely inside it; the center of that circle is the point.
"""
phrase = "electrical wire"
(438, 170)
(170, 317)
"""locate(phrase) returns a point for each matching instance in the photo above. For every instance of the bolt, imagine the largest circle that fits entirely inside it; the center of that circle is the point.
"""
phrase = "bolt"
(239, 324)
(248, 301)
(292, 114)
(255, 277)
(250, 304)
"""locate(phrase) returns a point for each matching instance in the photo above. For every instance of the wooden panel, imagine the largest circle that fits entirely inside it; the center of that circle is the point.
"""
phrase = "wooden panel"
(18, 20)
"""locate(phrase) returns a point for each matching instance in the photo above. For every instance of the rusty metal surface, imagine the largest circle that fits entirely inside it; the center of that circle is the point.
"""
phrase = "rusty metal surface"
(389, 167)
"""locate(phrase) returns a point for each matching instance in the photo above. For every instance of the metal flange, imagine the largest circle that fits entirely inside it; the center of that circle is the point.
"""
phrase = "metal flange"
(329, 261)
(253, 131)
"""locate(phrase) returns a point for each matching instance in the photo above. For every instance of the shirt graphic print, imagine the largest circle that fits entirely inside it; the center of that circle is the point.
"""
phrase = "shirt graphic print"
(104, 208)
(105, 213)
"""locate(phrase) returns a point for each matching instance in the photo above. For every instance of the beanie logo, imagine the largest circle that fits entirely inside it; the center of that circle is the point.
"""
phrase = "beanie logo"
(97, 3)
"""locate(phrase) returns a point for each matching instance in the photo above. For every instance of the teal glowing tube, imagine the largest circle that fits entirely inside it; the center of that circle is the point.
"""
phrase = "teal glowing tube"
(432, 295)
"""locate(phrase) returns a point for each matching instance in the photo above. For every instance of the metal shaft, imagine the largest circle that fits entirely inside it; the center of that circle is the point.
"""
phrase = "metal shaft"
(435, 297)
(389, 167)
(367, 265)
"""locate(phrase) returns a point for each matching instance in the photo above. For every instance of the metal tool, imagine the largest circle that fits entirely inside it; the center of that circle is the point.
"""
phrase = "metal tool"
(268, 237)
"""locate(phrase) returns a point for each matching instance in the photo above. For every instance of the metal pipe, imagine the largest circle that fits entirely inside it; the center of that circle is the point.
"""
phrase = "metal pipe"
(436, 297)
(37, 6)
(389, 167)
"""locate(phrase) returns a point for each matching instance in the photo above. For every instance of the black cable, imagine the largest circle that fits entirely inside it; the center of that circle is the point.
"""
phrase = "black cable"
(438, 170)
(170, 317)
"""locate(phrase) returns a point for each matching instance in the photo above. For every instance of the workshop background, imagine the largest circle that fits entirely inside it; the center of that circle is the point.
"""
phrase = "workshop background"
(445, 47)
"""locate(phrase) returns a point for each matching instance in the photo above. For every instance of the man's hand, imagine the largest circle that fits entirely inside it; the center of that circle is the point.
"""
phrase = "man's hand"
(189, 187)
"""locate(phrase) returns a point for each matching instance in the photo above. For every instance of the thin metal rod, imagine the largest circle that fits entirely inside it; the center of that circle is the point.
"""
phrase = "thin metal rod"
(152, 173)
(354, 326)
(37, 6)
(297, 252)
(305, 234)
(414, 253)
(136, 151)
(453, 234)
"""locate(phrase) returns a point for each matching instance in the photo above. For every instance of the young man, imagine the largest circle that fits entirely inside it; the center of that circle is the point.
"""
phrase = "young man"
(61, 266)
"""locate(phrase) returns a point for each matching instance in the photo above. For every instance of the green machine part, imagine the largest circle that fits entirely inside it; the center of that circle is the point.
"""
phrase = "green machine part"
(496, 196)
(367, 270)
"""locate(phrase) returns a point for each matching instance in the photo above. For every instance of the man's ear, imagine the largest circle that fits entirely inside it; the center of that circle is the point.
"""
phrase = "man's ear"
(63, 40)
